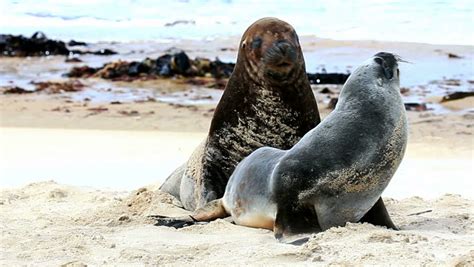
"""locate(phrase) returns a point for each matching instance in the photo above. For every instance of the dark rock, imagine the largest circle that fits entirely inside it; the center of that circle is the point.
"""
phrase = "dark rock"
(17, 90)
(456, 95)
(325, 90)
(37, 45)
(104, 52)
(163, 65)
(82, 72)
(404, 90)
(416, 107)
(73, 60)
(167, 65)
(113, 70)
(452, 55)
(220, 69)
(180, 63)
(202, 65)
(39, 36)
(327, 78)
(136, 68)
(76, 43)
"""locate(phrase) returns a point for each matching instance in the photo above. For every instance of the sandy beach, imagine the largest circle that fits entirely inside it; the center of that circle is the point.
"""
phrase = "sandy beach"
(52, 224)
(80, 172)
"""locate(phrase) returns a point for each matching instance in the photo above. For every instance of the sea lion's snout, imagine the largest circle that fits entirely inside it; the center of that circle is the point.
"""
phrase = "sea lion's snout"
(281, 55)
(388, 63)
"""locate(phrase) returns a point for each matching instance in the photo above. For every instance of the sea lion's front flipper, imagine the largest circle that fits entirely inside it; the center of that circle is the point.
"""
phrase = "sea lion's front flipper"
(172, 184)
(378, 215)
(294, 224)
(211, 211)
(176, 222)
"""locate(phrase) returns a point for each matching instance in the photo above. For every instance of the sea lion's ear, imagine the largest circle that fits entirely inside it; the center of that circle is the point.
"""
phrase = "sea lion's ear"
(244, 44)
(294, 224)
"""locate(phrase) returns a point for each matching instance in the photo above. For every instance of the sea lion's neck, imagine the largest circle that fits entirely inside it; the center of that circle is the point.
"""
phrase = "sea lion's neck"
(243, 94)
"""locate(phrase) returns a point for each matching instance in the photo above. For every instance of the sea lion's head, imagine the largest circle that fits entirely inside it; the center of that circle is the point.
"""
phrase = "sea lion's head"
(270, 52)
(382, 68)
(373, 78)
(386, 67)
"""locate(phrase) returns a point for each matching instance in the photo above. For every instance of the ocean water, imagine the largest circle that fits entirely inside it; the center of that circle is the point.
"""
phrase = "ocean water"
(433, 21)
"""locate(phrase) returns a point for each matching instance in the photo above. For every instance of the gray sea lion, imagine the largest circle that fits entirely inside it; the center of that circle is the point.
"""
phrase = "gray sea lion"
(268, 101)
(335, 174)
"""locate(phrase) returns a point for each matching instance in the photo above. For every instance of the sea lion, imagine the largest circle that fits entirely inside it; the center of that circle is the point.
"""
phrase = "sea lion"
(335, 174)
(268, 101)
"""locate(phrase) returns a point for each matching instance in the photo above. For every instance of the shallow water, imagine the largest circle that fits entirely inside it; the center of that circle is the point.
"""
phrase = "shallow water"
(433, 21)
(425, 75)
(419, 70)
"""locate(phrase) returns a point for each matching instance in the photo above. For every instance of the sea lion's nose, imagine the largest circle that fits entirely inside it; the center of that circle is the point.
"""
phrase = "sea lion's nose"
(283, 46)
(281, 53)
(286, 49)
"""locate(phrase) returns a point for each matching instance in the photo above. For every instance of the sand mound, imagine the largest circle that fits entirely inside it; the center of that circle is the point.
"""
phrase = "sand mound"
(53, 224)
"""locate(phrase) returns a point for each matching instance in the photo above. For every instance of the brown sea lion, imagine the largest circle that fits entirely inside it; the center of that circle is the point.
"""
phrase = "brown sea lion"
(268, 101)
(335, 174)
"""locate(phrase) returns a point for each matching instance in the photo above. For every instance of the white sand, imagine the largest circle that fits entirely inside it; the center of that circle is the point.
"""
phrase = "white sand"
(52, 224)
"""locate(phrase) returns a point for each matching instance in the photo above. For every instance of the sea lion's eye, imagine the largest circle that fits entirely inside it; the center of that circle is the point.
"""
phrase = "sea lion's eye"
(378, 60)
(257, 42)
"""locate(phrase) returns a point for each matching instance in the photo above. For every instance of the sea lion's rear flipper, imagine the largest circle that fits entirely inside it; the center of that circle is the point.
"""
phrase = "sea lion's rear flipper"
(294, 224)
(172, 184)
(211, 211)
(378, 215)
